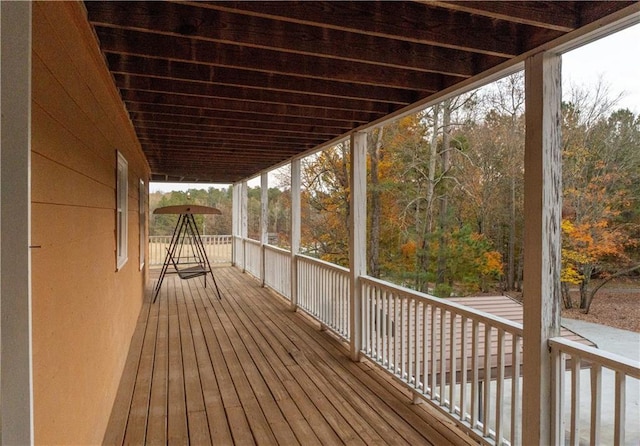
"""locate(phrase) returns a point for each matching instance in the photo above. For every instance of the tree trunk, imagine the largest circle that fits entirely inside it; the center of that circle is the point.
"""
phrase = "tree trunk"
(374, 208)
(566, 296)
(444, 201)
(424, 248)
(511, 254)
(584, 286)
(593, 292)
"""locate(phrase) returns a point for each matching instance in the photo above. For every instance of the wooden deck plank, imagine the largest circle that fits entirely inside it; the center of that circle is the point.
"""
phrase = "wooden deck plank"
(216, 418)
(177, 431)
(369, 424)
(120, 413)
(157, 424)
(197, 423)
(352, 393)
(404, 408)
(138, 415)
(257, 348)
(313, 390)
(257, 421)
(247, 370)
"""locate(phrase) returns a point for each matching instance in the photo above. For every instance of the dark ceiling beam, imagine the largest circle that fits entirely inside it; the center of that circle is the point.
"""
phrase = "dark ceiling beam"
(224, 125)
(151, 127)
(592, 11)
(250, 108)
(222, 26)
(554, 15)
(196, 112)
(211, 92)
(224, 76)
(412, 22)
(215, 146)
(268, 61)
(217, 155)
(240, 139)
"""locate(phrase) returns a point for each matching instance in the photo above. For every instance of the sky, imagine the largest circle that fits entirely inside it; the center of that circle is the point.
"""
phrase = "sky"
(615, 58)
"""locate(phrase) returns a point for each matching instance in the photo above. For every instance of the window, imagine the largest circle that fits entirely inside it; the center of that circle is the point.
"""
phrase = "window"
(142, 211)
(122, 186)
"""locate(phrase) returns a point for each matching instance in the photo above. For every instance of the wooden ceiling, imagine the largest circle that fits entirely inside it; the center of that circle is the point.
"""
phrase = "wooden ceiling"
(219, 91)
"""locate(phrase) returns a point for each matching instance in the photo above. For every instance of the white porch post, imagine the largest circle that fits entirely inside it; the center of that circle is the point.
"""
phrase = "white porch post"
(235, 221)
(296, 221)
(357, 236)
(264, 223)
(16, 386)
(244, 218)
(542, 250)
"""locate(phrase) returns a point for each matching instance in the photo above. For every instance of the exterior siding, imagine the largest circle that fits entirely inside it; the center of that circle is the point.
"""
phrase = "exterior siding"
(84, 311)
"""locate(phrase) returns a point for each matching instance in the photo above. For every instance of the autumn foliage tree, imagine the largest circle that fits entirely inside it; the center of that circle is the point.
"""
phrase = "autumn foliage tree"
(601, 164)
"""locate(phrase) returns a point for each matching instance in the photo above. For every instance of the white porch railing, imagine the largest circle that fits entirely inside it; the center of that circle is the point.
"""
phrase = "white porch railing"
(253, 257)
(438, 349)
(217, 247)
(277, 270)
(620, 378)
(323, 292)
(238, 250)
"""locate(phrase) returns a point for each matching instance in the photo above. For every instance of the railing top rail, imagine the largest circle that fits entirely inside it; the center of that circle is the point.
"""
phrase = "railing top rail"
(463, 310)
(606, 359)
(323, 263)
(277, 249)
(252, 241)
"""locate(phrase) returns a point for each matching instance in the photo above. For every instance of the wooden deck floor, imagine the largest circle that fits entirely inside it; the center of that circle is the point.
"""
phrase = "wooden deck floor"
(246, 370)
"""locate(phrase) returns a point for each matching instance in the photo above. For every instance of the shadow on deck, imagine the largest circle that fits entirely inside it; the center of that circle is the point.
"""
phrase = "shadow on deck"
(247, 370)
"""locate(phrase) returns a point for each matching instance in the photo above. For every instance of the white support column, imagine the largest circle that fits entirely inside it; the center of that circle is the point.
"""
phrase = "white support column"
(235, 221)
(296, 222)
(264, 223)
(244, 222)
(16, 386)
(357, 236)
(542, 250)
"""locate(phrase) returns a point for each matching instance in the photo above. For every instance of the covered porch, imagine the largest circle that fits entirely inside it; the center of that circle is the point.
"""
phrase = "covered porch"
(245, 369)
(103, 97)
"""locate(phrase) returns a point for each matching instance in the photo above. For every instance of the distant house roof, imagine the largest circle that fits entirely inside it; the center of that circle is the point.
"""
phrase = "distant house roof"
(509, 308)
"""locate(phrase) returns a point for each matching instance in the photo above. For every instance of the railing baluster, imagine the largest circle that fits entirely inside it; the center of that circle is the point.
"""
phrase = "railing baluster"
(574, 438)
(391, 332)
(398, 333)
(596, 401)
(425, 349)
(475, 386)
(516, 397)
(486, 383)
(416, 341)
(409, 339)
(464, 332)
(452, 361)
(403, 337)
(434, 369)
(500, 388)
(620, 414)
(373, 314)
(366, 321)
(443, 355)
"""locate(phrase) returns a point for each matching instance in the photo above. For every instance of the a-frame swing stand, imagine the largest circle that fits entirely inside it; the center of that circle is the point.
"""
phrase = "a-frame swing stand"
(186, 251)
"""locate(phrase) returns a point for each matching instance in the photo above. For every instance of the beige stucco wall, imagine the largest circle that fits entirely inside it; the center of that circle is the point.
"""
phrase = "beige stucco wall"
(84, 311)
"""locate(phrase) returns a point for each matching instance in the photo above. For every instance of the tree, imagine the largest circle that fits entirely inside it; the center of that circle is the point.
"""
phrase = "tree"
(601, 162)
(325, 197)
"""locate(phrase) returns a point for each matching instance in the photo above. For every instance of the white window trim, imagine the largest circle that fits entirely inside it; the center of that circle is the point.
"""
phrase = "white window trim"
(122, 218)
(142, 215)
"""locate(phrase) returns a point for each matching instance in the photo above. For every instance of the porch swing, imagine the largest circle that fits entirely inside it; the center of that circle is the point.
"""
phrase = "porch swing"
(186, 252)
